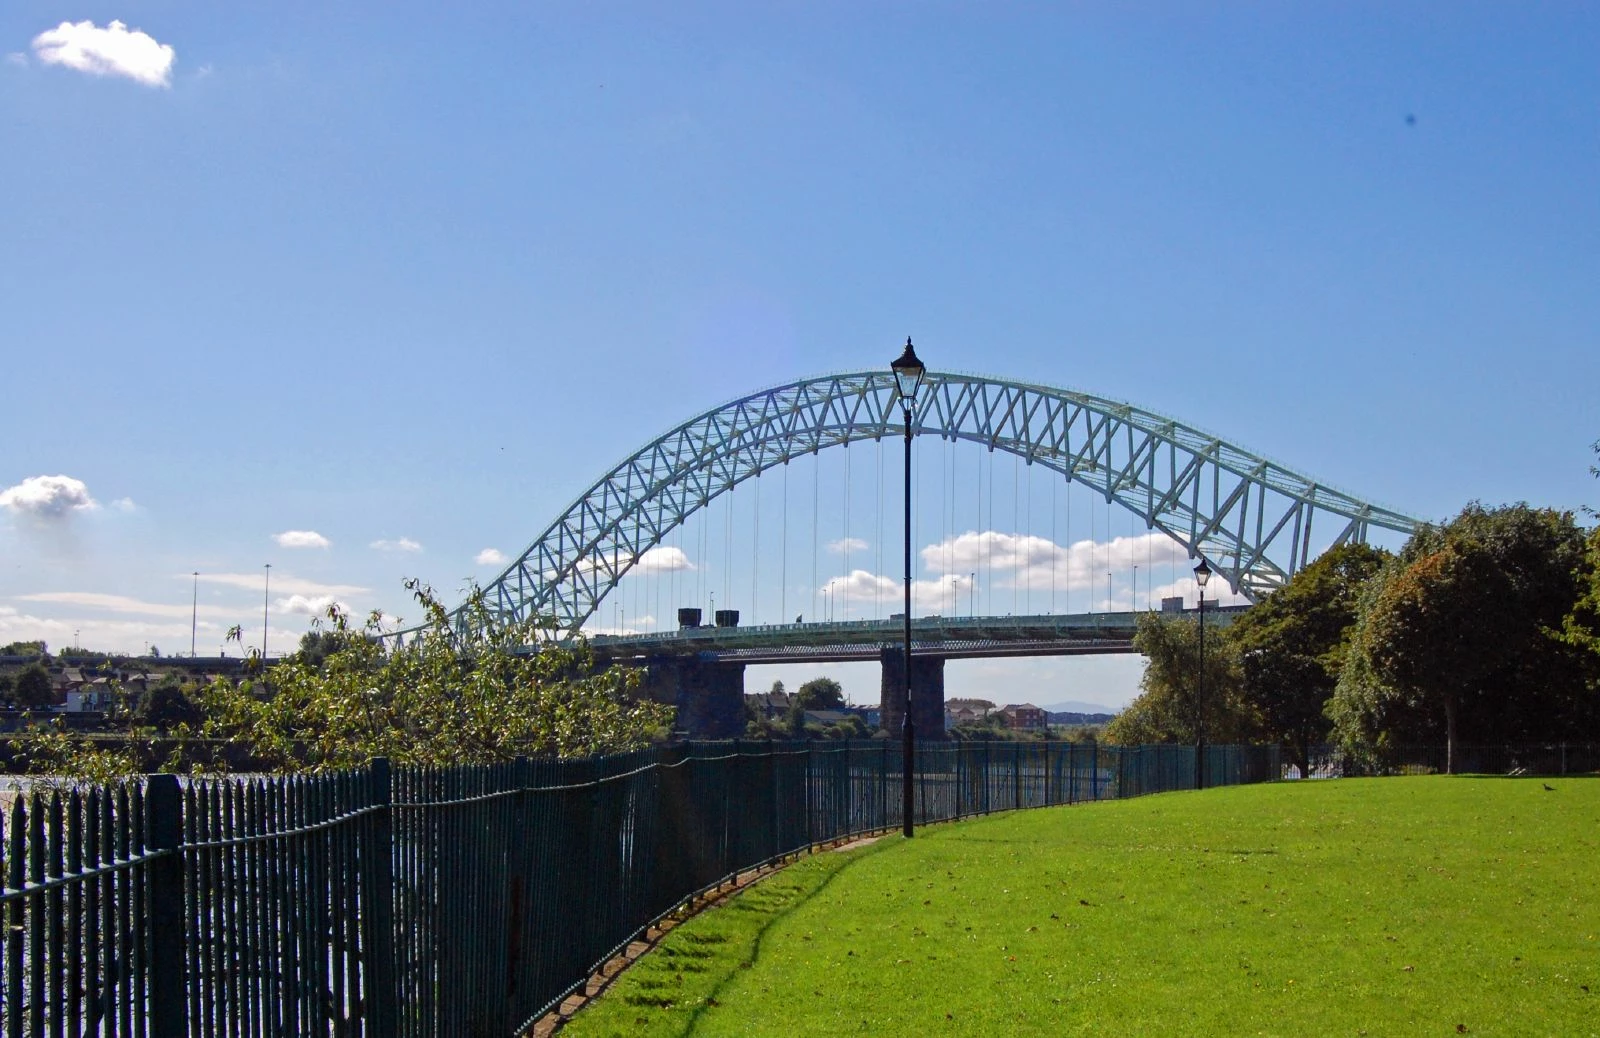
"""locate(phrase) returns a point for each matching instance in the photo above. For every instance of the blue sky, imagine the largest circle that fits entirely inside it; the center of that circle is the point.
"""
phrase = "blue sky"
(415, 273)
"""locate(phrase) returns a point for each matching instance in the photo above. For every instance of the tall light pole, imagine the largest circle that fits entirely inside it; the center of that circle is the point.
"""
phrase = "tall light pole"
(908, 376)
(194, 615)
(1202, 573)
(266, 592)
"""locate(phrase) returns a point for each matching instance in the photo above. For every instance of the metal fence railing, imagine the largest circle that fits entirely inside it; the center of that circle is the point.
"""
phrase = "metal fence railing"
(1548, 759)
(462, 901)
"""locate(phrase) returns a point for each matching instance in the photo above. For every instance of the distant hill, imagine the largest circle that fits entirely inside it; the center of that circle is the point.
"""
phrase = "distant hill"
(1074, 706)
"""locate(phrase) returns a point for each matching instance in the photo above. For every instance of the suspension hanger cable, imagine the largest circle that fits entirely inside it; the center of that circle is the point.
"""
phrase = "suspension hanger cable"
(755, 553)
(845, 543)
(783, 575)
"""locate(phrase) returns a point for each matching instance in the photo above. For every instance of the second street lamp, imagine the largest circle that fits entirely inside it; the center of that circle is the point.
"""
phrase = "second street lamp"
(908, 376)
(1202, 573)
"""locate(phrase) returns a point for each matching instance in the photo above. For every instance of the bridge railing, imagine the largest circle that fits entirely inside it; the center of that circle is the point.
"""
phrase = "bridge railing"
(457, 901)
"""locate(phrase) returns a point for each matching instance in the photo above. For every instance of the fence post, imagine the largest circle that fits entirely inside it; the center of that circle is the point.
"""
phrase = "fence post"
(1563, 758)
(168, 940)
(377, 926)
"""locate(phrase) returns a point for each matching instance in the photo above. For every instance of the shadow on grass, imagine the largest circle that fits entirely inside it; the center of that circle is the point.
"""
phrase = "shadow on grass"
(776, 911)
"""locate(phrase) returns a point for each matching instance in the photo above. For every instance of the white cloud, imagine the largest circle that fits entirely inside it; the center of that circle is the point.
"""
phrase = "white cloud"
(844, 544)
(18, 59)
(280, 582)
(48, 498)
(1038, 563)
(403, 544)
(304, 605)
(125, 504)
(301, 539)
(124, 604)
(664, 560)
(111, 51)
(489, 557)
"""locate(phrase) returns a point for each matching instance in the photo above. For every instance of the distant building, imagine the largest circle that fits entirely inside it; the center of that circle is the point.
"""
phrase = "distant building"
(1024, 717)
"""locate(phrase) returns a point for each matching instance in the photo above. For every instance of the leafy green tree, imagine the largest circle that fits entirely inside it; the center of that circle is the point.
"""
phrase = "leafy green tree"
(165, 705)
(1581, 629)
(1457, 637)
(491, 695)
(24, 649)
(7, 686)
(1291, 647)
(1166, 710)
(817, 694)
(32, 689)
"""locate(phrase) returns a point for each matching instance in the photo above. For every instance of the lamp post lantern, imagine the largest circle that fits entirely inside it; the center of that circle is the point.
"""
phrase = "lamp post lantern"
(908, 376)
(1202, 573)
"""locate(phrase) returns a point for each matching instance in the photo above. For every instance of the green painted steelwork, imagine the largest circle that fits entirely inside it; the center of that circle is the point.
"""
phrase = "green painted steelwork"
(1249, 516)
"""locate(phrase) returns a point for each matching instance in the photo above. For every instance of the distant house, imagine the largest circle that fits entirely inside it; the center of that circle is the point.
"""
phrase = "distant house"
(828, 718)
(769, 705)
(1024, 716)
(965, 711)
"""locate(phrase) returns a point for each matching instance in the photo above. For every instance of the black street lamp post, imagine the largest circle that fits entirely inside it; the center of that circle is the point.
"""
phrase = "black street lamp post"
(1202, 573)
(908, 375)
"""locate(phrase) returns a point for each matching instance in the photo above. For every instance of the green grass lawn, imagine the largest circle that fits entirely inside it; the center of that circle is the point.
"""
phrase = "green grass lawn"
(1402, 906)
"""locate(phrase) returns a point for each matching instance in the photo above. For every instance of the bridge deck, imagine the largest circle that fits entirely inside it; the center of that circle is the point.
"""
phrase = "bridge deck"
(951, 637)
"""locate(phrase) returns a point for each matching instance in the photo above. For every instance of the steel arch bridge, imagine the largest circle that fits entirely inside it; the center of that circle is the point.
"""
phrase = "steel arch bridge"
(1249, 517)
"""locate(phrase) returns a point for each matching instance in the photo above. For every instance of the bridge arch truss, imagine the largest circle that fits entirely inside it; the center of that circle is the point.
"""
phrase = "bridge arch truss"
(1248, 516)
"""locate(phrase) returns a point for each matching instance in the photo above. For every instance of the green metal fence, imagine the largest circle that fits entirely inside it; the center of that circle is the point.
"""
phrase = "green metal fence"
(455, 902)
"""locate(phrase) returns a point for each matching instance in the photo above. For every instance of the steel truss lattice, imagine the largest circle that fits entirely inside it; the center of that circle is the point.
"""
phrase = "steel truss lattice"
(1250, 517)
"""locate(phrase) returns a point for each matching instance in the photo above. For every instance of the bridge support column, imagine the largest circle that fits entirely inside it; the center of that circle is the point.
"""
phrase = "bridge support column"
(927, 693)
(708, 694)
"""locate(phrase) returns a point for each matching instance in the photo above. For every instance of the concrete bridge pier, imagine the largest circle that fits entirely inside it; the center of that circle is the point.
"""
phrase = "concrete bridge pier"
(927, 693)
(708, 694)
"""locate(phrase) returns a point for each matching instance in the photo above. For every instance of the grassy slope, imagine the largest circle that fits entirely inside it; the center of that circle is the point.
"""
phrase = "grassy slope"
(1382, 907)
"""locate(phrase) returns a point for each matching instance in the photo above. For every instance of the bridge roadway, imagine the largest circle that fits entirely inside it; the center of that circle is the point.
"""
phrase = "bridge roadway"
(700, 670)
(947, 637)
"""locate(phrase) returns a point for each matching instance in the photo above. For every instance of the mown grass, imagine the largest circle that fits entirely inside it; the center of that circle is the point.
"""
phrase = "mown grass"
(1416, 906)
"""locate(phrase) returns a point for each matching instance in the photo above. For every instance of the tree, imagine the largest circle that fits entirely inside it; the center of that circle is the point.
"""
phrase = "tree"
(820, 694)
(1291, 647)
(24, 649)
(32, 689)
(1581, 628)
(1165, 710)
(165, 705)
(1457, 637)
(492, 694)
(7, 686)
(816, 694)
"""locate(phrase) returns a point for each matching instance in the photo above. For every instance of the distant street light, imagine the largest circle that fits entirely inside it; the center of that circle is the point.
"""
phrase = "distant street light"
(1202, 573)
(194, 616)
(266, 593)
(908, 376)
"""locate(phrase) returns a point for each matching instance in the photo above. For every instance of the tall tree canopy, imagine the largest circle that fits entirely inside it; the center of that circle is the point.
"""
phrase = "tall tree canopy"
(1291, 647)
(1456, 637)
(1166, 709)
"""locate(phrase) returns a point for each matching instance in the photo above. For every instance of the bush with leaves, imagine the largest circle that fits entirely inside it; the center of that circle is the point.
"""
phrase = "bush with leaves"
(491, 694)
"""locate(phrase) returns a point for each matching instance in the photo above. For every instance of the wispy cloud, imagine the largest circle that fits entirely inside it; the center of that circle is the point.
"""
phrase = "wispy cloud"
(301, 539)
(123, 604)
(844, 544)
(48, 498)
(18, 59)
(405, 544)
(111, 51)
(280, 582)
(489, 557)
